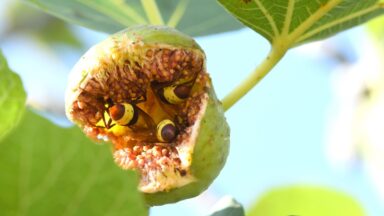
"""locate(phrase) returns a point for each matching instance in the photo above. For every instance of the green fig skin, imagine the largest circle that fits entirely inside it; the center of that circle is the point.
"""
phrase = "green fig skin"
(160, 35)
(210, 153)
(211, 142)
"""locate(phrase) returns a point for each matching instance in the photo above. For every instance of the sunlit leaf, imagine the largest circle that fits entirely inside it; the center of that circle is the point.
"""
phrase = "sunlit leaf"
(376, 28)
(299, 21)
(12, 98)
(305, 200)
(48, 170)
(199, 17)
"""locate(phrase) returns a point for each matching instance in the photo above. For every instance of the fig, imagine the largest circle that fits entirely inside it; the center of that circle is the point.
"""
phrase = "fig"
(146, 91)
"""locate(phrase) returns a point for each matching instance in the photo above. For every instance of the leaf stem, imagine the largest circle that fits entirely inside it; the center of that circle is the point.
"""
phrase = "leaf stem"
(274, 56)
(152, 11)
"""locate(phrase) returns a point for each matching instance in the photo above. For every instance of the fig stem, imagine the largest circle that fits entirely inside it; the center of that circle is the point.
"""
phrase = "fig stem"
(152, 11)
(277, 52)
(178, 13)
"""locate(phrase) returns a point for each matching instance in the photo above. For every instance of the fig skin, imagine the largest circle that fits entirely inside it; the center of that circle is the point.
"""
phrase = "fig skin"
(211, 131)
(209, 156)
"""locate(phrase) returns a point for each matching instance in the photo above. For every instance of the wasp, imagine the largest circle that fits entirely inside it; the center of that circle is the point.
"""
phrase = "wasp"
(173, 92)
(166, 131)
(126, 114)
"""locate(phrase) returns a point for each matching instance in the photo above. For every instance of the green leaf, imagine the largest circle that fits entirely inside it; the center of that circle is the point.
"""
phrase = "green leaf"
(46, 28)
(48, 170)
(227, 206)
(306, 200)
(295, 22)
(201, 17)
(194, 17)
(12, 98)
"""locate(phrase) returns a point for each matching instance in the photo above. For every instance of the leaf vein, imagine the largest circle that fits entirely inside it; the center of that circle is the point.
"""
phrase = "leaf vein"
(261, 30)
(288, 16)
(336, 22)
(269, 17)
(178, 13)
(304, 26)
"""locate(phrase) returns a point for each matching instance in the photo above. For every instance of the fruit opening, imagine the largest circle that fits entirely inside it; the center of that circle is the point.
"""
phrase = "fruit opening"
(147, 100)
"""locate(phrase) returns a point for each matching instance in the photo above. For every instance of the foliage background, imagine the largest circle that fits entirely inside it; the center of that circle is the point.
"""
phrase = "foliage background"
(279, 130)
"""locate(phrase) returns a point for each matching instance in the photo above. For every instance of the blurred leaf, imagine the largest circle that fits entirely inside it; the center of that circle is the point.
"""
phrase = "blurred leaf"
(376, 27)
(48, 170)
(12, 98)
(201, 17)
(58, 32)
(297, 21)
(227, 206)
(44, 27)
(305, 201)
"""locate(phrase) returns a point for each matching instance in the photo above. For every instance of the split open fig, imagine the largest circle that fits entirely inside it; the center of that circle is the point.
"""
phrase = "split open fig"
(146, 90)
